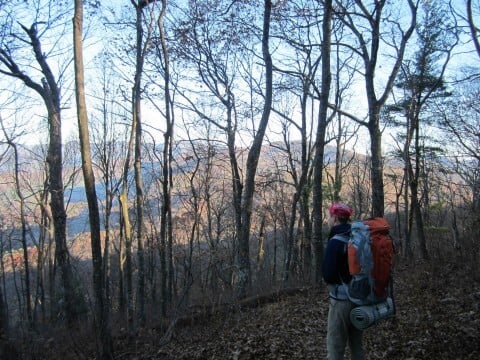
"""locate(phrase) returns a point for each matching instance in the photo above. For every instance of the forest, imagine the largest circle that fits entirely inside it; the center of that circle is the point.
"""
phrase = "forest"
(166, 168)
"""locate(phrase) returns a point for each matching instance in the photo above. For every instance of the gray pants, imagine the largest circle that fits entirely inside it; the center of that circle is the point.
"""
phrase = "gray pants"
(340, 331)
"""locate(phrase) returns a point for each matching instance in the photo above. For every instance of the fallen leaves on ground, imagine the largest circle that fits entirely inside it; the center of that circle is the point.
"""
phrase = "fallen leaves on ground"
(437, 318)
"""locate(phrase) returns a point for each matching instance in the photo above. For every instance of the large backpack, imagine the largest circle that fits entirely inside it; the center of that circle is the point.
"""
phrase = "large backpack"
(370, 261)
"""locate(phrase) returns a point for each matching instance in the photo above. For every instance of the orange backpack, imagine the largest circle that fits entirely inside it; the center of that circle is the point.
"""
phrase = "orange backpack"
(370, 260)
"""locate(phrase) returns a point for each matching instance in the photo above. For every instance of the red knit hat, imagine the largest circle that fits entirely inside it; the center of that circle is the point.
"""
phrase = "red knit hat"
(341, 210)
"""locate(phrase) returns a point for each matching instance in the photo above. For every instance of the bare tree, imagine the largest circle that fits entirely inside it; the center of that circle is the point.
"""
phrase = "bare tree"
(358, 18)
(23, 223)
(48, 89)
(166, 236)
(320, 141)
(460, 118)
(422, 80)
(252, 161)
(126, 261)
(6, 348)
(37, 185)
(212, 62)
(298, 80)
(134, 150)
(108, 146)
(141, 45)
(102, 311)
(215, 58)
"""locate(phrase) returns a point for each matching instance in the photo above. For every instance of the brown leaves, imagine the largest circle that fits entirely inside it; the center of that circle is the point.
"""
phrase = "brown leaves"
(437, 318)
(289, 328)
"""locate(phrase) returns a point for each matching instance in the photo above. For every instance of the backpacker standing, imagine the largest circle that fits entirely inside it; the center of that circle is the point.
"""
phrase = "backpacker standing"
(340, 330)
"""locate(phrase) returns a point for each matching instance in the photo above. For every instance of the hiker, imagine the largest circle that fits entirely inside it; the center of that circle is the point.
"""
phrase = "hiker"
(340, 330)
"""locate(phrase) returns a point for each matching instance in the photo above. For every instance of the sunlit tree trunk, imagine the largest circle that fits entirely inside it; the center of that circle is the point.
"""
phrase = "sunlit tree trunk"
(126, 260)
(102, 311)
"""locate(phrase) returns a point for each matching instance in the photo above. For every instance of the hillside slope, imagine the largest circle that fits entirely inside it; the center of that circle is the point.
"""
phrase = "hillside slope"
(438, 312)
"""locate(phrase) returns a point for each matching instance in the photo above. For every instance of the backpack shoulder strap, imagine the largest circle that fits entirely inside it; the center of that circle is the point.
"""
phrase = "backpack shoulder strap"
(341, 237)
(345, 239)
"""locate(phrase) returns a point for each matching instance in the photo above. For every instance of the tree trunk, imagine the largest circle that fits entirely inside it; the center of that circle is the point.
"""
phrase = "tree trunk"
(406, 227)
(74, 303)
(128, 268)
(28, 295)
(252, 162)
(127, 237)
(300, 196)
(3, 308)
(137, 120)
(261, 248)
(290, 243)
(166, 211)
(307, 231)
(59, 216)
(369, 49)
(317, 206)
(414, 181)
(378, 197)
(102, 311)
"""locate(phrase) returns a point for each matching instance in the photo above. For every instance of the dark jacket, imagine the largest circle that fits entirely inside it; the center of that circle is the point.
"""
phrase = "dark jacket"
(335, 260)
